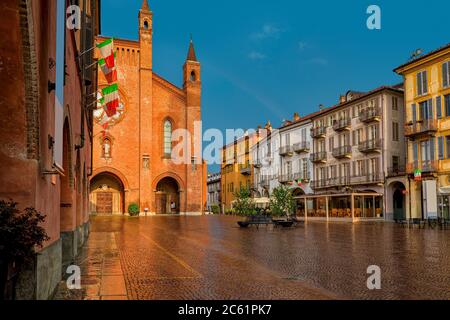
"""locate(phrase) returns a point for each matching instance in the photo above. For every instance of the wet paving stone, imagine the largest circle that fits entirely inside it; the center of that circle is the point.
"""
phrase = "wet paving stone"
(210, 257)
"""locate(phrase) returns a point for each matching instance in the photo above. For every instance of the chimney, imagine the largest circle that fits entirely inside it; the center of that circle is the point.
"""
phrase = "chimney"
(296, 116)
(342, 99)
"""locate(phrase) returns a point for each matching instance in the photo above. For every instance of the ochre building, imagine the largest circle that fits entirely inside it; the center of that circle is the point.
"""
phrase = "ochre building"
(132, 159)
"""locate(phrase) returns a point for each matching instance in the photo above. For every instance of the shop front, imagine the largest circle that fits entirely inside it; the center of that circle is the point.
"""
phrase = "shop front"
(342, 207)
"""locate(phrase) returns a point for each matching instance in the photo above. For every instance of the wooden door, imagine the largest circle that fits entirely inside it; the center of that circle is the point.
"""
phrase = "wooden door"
(161, 203)
(104, 203)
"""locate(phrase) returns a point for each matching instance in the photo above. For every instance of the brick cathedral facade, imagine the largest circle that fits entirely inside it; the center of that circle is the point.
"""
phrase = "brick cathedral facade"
(132, 160)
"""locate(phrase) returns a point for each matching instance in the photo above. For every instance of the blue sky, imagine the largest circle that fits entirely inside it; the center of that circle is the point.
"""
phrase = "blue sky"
(264, 60)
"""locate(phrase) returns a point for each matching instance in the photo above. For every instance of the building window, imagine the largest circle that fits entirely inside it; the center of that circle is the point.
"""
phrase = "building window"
(193, 76)
(447, 138)
(167, 138)
(146, 25)
(447, 105)
(106, 149)
(446, 74)
(395, 163)
(395, 103)
(395, 133)
(422, 83)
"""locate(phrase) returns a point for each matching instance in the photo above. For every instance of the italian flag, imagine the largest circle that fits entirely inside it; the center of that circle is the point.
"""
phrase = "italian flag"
(107, 52)
(110, 73)
(111, 99)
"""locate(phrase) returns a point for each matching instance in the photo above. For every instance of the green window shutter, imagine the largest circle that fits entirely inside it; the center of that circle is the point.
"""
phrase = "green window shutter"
(439, 107)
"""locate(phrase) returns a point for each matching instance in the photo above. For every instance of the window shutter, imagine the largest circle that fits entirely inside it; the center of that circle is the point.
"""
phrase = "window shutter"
(415, 151)
(445, 73)
(430, 109)
(439, 107)
(419, 83)
(441, 148)
(432, 148)
(425, 82)
(414, 112)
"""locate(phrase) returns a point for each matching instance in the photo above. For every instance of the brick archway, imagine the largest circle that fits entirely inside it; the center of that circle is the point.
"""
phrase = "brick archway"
(115, 172)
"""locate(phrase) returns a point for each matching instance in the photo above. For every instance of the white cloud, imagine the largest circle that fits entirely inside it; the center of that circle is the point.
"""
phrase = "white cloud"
(255, 55)
(302, 45)
(268, 31)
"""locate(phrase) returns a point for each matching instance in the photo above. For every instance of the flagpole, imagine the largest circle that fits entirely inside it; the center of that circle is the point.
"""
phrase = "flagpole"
(83, 53)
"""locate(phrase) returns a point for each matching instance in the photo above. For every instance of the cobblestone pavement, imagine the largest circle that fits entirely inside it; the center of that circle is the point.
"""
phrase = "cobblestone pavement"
(211, 258)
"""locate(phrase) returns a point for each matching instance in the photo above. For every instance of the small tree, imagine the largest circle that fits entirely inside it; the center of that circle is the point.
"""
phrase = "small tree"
(133, 209)
(20, 234)
(244, 204)
(282, 202)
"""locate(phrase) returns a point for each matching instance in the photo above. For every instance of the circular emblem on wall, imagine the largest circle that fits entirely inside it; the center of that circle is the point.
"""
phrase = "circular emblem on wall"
(101, 115)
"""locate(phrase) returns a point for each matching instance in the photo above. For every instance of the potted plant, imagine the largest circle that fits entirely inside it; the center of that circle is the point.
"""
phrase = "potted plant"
(133, 209)
(20, 234)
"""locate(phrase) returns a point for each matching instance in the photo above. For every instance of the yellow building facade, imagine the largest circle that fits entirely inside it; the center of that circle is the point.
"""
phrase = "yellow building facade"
(236, 169)
(427, 132)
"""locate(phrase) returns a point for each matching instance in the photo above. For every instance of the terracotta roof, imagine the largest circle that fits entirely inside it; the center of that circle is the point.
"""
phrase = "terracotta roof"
(422, 57)
(145, 6)
(191, 53)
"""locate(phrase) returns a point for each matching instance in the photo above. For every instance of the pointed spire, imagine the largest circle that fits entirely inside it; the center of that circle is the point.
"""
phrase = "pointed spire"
(145, 6)
(191, 53)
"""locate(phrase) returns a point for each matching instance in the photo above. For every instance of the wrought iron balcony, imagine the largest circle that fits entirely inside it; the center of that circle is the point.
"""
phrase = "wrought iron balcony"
(422, 127)
(319, 157)
(343, 124)
(285, 178)
(286, 151)
(319, 132)
(428, 166)
(257, 164)
(371, 178)
(370, 114)
(318, 184)
(342, 152)
(374, 145)
(305, 177)
(245, 169)
(302, 147)
(396, 171)
(338, 181)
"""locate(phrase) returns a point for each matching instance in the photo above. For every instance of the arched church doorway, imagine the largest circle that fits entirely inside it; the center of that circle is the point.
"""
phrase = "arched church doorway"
(167, 197)
(107, 195)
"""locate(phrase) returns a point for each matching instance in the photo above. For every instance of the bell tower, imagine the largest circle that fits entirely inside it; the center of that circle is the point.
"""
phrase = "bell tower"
(146, 36)
(193, 90)
(146, 146)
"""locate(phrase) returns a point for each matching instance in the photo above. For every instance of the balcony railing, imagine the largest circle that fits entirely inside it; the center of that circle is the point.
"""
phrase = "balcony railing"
(319, 157)
(285, 178)
(342, 152)
(331, 182)
(318, 132)
(429, 166)
(286, 151)
(429, 126)
(396, 171)
(302, 147)
(302, 176)
(368, 146)
(245, 169)
(343, 124)
(370, 178)
(370, 114)
(257, 164)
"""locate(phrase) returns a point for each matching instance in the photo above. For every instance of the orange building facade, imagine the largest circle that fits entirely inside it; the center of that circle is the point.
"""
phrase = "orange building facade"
(132, 162)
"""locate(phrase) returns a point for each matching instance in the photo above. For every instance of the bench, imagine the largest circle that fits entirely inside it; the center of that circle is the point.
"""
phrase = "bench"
(256, 221)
